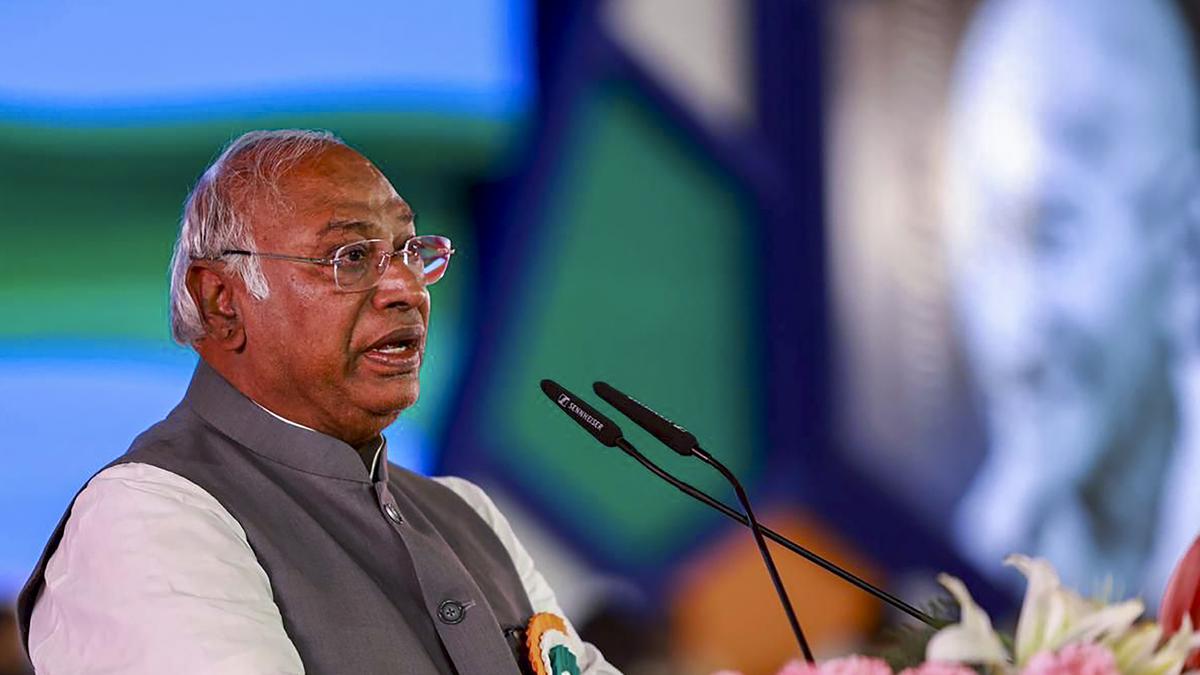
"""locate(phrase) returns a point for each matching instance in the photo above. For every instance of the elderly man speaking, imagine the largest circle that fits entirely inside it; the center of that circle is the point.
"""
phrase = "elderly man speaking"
(259, 528)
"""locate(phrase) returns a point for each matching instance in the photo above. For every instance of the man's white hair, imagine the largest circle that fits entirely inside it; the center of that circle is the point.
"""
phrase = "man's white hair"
(216, 215)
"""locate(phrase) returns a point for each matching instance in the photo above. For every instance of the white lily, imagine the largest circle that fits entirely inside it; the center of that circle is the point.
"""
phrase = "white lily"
(972, 639)
(1169, 658)
(1053, 616)
(1134, 649)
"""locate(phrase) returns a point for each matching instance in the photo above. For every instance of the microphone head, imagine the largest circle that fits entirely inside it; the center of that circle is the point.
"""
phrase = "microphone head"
(592, 421)
(672, 435)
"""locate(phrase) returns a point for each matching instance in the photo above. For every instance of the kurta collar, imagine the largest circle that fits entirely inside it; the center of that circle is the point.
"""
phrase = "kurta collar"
(215, 400)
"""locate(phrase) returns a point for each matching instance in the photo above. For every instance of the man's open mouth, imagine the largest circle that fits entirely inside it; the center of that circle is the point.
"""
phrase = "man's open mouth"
(400, 348)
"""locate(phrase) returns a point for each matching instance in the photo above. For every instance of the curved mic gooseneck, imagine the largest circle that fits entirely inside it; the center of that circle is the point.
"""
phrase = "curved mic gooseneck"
(683, 442)
(608, 434)
(844, 574)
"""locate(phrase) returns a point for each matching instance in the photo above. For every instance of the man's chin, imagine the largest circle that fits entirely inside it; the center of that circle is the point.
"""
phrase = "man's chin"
(390, 397)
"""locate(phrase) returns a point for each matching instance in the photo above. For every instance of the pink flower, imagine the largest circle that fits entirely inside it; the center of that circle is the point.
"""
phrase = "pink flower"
(939, 668)
(800, 668)
(850, 665)
(1073, 659)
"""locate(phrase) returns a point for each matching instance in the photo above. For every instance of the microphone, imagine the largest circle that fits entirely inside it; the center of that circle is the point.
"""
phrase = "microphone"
(683, 442)
(605, 431)
(670, 434)
(584, 415)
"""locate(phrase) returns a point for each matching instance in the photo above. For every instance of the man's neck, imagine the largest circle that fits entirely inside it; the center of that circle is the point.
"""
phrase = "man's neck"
(221, 362)
(369, 452)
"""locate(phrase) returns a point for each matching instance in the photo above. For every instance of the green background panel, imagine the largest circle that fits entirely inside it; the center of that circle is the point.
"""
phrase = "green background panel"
(640, 281)
(453, 144)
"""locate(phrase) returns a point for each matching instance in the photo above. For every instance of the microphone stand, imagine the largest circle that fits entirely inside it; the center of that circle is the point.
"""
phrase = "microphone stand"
(683, 442)
(756, 530)
(774, 536)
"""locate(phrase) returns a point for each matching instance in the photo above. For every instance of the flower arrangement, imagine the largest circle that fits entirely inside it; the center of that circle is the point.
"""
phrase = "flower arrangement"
(1058, 633)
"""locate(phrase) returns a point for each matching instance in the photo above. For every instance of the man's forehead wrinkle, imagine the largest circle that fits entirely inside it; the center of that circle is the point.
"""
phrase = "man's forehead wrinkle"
(343, 217)
(339, 190)
(331, 174)
(337, 162)
(393, 208)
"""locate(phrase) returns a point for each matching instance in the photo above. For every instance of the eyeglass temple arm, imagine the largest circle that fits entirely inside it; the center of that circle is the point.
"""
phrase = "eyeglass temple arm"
(280, 256)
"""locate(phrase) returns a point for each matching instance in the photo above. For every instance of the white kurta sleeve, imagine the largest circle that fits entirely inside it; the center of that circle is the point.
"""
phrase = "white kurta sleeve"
(153, 575)
(541, 596)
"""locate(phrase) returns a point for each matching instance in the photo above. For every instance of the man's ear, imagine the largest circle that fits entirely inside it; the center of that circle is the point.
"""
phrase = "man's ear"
(213, 292)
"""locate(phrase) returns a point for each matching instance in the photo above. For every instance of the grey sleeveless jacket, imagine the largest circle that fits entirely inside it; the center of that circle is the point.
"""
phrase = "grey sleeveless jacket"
(392, 575)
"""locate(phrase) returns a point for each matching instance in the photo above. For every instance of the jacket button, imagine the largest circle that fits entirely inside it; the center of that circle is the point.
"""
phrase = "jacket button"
(392, 512)
(451, 612)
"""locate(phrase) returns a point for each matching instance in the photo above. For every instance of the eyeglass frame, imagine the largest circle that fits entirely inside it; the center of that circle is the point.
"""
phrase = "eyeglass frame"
(386, 263)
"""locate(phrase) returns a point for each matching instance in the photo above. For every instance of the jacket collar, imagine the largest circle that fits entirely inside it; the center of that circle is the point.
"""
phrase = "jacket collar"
(228, 410)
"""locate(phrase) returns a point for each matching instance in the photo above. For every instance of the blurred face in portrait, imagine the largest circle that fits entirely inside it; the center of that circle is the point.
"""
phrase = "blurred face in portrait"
(1068, 195)
(345, 363)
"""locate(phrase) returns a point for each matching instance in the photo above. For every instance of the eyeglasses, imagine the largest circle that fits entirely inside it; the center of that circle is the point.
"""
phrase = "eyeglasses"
(360, 265)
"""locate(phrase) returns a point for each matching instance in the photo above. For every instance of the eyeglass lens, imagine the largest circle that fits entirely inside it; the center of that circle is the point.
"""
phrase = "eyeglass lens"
(359, 266)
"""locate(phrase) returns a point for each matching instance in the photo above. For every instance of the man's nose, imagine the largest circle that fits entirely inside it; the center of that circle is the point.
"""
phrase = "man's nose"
(400, 286)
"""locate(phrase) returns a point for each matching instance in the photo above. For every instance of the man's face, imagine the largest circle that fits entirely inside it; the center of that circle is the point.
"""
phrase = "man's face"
(1064, 269)
(346, 362)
